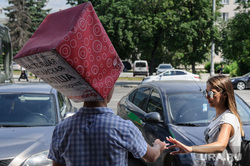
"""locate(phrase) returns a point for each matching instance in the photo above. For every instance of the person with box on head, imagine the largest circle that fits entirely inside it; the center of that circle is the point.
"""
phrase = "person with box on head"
(75, 56)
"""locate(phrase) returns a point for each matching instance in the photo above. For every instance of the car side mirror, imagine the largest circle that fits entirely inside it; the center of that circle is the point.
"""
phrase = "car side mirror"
(153, 117)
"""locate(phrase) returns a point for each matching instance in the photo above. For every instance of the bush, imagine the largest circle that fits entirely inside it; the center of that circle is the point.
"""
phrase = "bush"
(216, 67)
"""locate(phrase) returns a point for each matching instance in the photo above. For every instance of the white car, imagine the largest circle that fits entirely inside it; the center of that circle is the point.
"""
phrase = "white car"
(16, 66)
(162, 67)
(173, 74)
(140, 67)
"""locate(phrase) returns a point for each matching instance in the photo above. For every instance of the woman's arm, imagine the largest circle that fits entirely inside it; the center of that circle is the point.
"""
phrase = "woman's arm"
(216, 147)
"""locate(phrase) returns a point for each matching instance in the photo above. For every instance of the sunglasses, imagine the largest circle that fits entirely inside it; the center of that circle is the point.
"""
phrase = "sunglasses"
(210, 93)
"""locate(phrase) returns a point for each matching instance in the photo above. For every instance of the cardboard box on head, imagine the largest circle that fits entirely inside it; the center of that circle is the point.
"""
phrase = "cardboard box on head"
(72, 52)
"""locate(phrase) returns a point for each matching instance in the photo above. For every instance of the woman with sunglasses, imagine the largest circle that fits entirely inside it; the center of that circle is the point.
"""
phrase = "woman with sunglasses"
(223, 134)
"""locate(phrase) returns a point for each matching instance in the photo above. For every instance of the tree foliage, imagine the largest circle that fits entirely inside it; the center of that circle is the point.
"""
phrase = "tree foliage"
(24, 18)
(159, 31)
(236, 38)
(19, 23)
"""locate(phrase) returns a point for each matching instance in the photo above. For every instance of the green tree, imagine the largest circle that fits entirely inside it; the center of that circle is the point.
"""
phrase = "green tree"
(159, 31)
(193, 31)
(236, 38)
(24, 18)
(19, 23)
(36, 12)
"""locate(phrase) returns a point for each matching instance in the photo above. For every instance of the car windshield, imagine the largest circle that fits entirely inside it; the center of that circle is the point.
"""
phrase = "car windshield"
(193, 108)
(21, 110)
(246, 75)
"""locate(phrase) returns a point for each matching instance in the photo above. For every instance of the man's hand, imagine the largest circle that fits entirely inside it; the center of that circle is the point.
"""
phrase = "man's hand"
(154, 152)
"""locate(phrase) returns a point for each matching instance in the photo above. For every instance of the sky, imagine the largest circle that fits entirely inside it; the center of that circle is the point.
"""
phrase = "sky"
(56, 5)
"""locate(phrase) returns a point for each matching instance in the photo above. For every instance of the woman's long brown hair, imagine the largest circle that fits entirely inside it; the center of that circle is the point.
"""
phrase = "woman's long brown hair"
(222, 82)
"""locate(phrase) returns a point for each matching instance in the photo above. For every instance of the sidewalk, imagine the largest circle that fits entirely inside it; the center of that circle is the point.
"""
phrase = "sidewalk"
(204, 77)
(31, 80)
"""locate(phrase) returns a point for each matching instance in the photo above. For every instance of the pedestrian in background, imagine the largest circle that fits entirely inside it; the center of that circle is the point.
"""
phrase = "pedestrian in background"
(23, 74)
(223, 134)
(221, 69)
(95, 136)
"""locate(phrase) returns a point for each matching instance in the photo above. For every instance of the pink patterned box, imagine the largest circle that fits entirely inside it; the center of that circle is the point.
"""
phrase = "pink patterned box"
(72, 52)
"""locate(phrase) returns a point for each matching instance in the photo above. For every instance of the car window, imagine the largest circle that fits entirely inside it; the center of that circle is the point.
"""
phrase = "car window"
(27, 109)
(131, 95)
(194, 108)
(173, 73)
(167, 73)
(155, 104)
(64, 104)
(141, 97)
(180, 73)
(165, 67)
(140, 64)
(243, 110)
(190, 108)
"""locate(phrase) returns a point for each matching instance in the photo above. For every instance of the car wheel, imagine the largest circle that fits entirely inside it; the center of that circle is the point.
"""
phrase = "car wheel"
(241, 85)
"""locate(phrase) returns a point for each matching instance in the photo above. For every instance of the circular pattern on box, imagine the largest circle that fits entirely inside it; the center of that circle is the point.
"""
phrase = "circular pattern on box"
(79, 35)
(109, 62)
(75, 60)
(86, 41)
(82, 24)
(109, 82)
(91, 58)
(97, 46)
(104, 56)
(94, 69)
(97, 29)
(73, 43)
(89, 20)
(80, 69)
(86, 63)
(65, 50)
(82, 52)
(100, 77)
(111, 49)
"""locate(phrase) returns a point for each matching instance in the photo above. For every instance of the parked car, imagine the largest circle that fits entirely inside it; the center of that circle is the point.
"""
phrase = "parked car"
(173, 74)
(16, 66)
(241, 82)
(127, 66)
(162, 67)
(28, 115)
(177, 109)
(140, 67)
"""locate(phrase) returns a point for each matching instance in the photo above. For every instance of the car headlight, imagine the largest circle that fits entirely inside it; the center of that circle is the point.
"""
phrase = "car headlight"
(199, 159)
(232, 80)
(38, 159)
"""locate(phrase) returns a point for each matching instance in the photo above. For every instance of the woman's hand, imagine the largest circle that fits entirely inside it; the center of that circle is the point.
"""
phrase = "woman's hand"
(182, 149)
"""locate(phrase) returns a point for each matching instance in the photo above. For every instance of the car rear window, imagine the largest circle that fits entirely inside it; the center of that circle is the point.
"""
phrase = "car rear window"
(140, 64)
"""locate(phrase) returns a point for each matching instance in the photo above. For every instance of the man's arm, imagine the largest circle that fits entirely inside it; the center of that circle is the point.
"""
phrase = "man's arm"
(154, 152)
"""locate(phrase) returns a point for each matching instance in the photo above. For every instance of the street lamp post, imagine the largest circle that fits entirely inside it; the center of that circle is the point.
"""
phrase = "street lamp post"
(212, 47)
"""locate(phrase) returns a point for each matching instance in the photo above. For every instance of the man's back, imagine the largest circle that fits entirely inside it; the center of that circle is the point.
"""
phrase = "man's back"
(96, 136)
